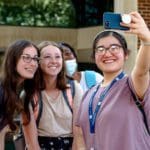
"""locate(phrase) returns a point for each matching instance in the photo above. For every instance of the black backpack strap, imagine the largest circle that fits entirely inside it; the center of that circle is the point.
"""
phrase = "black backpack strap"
(72, 86)
(66, 100)
(40, 103)
(139, 105)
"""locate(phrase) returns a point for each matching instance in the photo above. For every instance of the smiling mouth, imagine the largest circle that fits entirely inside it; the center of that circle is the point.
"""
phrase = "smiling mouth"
(108, 61)
(30, 70)
(52, 68)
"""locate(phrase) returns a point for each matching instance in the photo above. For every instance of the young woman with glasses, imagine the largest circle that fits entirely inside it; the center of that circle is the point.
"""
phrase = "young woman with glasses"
(109, 118)
(19, 75)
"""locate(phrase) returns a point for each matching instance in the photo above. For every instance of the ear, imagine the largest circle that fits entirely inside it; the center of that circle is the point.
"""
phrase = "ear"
(126, 57)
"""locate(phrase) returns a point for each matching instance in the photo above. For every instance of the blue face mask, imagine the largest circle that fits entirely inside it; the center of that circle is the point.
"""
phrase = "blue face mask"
(71, 67)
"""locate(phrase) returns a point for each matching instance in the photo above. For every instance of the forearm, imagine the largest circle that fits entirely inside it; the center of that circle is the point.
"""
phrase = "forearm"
(140, 29)
(30, 133)
(31, 139)
(142, 65)
(78, 140)
(140, 74)
(78, 143)
(2, 136)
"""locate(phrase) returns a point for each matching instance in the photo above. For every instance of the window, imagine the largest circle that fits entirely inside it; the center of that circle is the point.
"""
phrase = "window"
(90, 12)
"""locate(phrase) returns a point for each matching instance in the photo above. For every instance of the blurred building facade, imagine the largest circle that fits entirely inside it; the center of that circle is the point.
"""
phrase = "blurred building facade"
(81, 37)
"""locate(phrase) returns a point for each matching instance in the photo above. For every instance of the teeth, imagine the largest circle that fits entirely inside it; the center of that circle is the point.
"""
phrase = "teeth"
(53, 67)
(108, 61)
(29, 69)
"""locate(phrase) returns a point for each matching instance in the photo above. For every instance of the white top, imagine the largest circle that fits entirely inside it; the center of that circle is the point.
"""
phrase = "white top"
(83, 84)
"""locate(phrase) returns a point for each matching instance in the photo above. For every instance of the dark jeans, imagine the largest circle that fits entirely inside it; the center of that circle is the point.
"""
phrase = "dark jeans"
(55, 143)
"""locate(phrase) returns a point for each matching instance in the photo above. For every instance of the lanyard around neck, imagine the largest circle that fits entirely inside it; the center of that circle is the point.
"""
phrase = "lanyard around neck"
(93, 115)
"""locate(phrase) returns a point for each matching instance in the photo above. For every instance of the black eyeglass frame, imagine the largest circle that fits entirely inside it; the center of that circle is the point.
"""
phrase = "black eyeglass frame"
(27, 58)
(113, 48)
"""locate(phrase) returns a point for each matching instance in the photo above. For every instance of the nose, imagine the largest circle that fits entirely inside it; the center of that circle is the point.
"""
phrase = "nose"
(107, 52)
(53, 60)
(34, 62)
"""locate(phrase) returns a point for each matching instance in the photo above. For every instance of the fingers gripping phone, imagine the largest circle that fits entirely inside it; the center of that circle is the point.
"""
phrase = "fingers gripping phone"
(112, 21)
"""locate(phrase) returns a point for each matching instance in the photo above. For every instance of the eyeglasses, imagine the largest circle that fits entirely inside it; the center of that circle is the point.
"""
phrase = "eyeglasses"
(48, 58)
(28, 58)
(113, 49)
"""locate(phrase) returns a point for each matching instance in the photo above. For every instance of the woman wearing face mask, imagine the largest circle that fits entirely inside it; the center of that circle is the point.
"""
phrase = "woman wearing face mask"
(56, 123)
(109, 117)
(86, 78)
(19, 67)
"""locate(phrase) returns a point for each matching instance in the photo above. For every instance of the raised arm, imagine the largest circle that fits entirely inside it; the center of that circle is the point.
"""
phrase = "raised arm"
(141, 71)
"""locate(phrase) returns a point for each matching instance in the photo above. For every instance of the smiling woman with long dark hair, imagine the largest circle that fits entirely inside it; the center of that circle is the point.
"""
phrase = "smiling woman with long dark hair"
(19, 68)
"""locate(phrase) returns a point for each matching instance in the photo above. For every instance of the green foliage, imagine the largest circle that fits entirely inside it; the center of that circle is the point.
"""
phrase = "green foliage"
(57, 13)
(15, 2)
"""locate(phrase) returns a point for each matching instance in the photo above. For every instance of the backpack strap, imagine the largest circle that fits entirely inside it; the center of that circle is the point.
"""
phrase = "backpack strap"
(38, 107)
(69, 94)
(140, 106)
(69, 103)
(90, 78)
(71, 82)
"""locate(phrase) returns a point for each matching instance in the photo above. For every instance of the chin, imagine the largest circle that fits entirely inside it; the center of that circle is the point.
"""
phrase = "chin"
(29, 77)
(111, 70)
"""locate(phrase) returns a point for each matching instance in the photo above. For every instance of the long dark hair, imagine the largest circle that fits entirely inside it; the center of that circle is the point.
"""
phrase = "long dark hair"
(10, 79)
(61, 78)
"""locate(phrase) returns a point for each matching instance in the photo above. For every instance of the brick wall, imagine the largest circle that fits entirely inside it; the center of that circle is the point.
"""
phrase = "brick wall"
(144, 9)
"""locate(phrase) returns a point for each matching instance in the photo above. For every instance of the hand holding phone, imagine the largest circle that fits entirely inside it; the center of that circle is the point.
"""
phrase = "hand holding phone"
(112, 20)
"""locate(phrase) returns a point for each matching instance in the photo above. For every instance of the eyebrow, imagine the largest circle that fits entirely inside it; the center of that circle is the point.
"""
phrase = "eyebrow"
(36, 55)
(109, 45)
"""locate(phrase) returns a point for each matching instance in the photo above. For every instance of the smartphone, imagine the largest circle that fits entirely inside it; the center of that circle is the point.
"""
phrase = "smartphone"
(112, 21)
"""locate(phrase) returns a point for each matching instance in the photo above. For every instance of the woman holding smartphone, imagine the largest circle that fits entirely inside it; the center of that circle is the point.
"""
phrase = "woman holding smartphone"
(108, 117)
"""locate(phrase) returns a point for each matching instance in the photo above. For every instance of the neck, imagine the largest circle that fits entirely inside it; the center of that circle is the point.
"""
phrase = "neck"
(50, 83)
(108, 77)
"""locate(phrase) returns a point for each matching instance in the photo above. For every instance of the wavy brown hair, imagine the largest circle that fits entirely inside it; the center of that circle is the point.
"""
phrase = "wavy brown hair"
(61, 78)
(10, 81)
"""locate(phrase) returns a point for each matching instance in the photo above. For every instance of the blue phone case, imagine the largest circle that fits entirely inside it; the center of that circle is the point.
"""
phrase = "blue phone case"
(112, 21)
